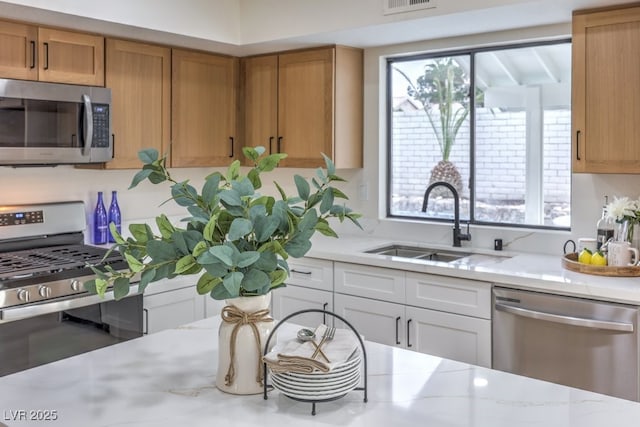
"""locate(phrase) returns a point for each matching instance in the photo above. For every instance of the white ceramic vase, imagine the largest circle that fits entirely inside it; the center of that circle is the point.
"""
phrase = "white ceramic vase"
(245, 375)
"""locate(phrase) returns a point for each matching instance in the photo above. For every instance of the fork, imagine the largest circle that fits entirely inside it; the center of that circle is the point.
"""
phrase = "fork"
(329, 333)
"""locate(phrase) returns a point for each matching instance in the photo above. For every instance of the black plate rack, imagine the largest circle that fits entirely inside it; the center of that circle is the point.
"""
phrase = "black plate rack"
(313, 402)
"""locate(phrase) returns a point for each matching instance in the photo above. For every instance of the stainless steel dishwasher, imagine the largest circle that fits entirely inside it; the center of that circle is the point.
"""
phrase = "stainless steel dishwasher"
(581, 343)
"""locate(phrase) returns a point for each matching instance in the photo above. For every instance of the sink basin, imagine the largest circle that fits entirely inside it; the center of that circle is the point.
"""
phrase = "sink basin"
(419, 253)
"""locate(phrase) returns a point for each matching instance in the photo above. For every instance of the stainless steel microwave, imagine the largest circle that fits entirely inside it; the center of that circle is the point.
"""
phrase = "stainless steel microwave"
(52, 123)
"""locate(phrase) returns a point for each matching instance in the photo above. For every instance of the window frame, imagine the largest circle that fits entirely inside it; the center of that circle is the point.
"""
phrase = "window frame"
(471, 52)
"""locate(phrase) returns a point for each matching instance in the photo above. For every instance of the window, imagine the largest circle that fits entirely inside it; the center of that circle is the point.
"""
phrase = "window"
(506, 150)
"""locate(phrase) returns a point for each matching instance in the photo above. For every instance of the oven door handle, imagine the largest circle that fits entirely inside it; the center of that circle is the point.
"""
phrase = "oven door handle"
(25, 312)
(566, 320)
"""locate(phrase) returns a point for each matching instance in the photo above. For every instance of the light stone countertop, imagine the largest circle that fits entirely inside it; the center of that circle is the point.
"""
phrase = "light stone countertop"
(516, 270)
(167, 379)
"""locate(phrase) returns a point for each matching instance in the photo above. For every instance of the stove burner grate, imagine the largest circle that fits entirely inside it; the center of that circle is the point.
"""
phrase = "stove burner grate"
(50, 260)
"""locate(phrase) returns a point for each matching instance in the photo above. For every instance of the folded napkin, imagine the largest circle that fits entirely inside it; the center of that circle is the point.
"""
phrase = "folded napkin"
(295, 355)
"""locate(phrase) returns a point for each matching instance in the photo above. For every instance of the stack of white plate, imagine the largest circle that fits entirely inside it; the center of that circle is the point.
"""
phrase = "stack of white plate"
(320, 385)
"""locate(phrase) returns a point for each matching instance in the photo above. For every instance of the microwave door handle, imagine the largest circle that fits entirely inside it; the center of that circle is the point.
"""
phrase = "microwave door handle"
(566, 320)
(87, 124)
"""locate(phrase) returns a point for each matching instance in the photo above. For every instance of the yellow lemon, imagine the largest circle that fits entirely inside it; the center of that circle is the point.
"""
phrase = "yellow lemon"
(585, 256)
(598, 259)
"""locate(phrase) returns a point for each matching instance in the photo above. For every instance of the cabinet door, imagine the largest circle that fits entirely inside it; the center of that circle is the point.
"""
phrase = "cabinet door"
(18, 47)
(606, 91)
(371, 282)
(69, 57)
(212, 307)
(462, 338)
(260, 95)
(171, 309)
(305, 106)
(139, 76)
(203, 109)
(377, 321)
(290, 299)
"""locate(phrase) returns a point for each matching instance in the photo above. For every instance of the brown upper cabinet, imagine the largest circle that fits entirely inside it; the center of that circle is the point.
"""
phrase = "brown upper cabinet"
(606, 91)
(139, 76)
(203, 111)
(305, 103)
(51, 55)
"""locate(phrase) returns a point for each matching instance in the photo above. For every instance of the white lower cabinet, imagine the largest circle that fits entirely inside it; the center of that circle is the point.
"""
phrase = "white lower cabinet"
(212, 307)
(289, 299)
(377, 321)
(172, 308)
(439, 315)
(452, 336)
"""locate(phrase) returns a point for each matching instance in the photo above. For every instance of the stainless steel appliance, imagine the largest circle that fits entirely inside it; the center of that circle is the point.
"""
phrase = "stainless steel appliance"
(581, 343)
(45, 313)
(52, 123)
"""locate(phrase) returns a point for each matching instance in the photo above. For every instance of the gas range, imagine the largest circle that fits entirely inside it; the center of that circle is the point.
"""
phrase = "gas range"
(42, 253)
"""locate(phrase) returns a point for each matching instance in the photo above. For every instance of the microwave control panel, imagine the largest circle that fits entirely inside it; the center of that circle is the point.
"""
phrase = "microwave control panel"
(100, 125)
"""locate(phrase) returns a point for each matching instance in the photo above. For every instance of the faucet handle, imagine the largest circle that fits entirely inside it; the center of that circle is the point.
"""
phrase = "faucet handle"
(467, 235)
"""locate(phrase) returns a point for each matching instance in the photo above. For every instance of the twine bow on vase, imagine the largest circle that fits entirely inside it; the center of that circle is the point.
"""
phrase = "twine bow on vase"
(235, 317)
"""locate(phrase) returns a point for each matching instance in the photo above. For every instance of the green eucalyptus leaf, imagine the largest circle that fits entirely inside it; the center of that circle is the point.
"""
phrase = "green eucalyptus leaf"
(232, 282)
(117, 237)
(209, 230)
(179, 243)
(219, 292)
(331, 168)
(184, 264)
(192, 238)
(247, 258)
(233, 171)
(327, 201)
(254, 280)
(279, 212)
(216, 269)
(243, 187)
(164, 271)
(265, 227)
(198, 214)
(145, 278)
(240, 227)
(139, 177)
(134, 264)
(338, 194)
(268, 261)
(160, 251)
(336, 178)
(302, 186)
(277, 277)
(254, 177)
(250, 153)
(298, 246)
(164, 226)
(323, 228)
(283, 195)
(141, 232)
(210, 189)
(309, 220)
(270, 162)
(121, 287)
(90, 286)
(223, 253)
(156, 177)
(206, 283)
(230, 197)
(148, 155)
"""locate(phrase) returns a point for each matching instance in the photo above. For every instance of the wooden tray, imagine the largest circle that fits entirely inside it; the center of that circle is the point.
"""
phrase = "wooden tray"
(570, 262)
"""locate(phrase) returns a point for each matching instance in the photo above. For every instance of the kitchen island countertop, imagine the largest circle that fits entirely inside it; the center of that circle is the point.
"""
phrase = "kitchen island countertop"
(167, 379)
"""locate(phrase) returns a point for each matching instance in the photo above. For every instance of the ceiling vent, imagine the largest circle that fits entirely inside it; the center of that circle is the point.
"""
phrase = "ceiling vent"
(398, 6)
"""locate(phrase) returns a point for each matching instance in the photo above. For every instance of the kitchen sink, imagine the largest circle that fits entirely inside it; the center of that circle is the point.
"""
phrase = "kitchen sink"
(419, 253)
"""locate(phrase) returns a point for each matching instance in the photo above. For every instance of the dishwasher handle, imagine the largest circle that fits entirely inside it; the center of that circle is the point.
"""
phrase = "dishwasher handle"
(566, 320)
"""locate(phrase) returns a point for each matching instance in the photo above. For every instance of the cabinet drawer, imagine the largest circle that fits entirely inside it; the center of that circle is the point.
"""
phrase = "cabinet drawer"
(450, 294)
(371, 282)
(292, 298)
(311, 273)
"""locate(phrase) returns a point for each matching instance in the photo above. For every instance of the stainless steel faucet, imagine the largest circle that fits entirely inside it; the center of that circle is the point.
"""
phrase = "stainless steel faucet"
(457, 235)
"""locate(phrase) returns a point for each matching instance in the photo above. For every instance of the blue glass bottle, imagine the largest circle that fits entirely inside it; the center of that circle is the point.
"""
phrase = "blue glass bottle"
(100, 222)
(114, 214)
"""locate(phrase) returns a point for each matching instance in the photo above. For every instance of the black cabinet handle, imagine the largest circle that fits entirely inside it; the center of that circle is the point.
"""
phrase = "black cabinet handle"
(231, 140)
(408, 331)
(146, 321)
(324, 315)
(578, 145)
(113, 145)
(46, 56)
(279, 144)
(397, 330)
(33, 54)
(293, 270)
(270, 142)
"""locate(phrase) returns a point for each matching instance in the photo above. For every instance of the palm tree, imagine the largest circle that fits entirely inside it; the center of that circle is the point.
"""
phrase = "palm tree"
(443, 91)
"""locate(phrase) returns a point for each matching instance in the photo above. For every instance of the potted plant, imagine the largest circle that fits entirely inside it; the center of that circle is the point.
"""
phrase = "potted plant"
(235, 238)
